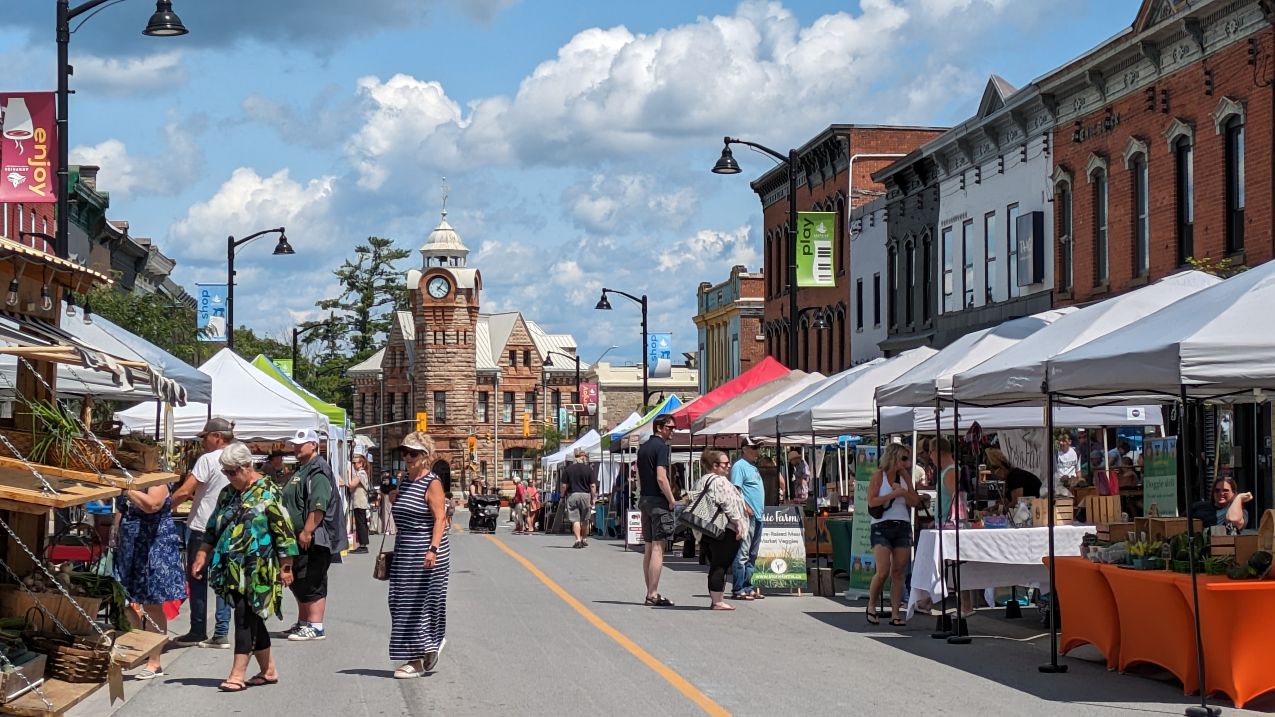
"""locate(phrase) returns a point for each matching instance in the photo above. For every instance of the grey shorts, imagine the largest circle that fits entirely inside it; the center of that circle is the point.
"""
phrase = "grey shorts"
(657, 519)
(579, 507)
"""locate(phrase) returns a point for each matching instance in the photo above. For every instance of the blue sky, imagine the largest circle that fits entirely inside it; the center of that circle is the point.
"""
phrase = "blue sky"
(576, 136)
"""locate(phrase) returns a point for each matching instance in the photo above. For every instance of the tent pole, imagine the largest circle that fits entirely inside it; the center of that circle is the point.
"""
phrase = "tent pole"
(814, 471)
(158, 407)
(960, 631)
(1203, 710)
(1053, 667)
(943, 629)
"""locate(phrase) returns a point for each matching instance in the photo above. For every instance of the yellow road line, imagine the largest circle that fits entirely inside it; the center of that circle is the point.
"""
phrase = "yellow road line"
(671, 677)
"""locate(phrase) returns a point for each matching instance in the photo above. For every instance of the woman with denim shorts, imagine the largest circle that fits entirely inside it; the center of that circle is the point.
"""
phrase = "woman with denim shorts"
(891, 488)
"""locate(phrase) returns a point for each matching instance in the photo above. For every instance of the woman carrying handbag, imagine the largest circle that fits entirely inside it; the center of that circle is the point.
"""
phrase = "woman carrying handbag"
(727, 523)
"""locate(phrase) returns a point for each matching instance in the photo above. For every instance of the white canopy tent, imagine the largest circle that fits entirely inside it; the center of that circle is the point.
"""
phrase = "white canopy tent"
(591, 442)
(1017, 374)
(736, 424)
(764, 426)
(1216, 343)
(921, 420)
(261, 407)
(753, 395)
(849, 405)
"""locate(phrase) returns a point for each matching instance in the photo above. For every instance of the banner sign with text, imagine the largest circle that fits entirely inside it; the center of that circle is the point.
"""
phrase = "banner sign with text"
(659, 355)
(816, 232)
(862, 565)
(210, 312)
(589, 397)
(28, 148)
(1160, 477)
(633, 529)
(285, 365)
(781, 558)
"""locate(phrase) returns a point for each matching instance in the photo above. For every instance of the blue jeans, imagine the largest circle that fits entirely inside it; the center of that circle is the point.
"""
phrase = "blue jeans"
(745, 561)
(199, 594)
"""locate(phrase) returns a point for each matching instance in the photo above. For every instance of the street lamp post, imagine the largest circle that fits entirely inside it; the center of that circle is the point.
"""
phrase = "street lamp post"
(164, 23)
(296, 367)
(605, 305)
(282, 248)
(548, 362)
(727, 165)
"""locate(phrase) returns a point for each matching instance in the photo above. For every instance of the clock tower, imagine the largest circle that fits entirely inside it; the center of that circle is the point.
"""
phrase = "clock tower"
(445, 294)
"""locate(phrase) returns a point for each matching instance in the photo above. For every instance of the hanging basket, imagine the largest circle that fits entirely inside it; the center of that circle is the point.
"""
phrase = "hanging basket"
(87, 456)
(23, 441)
(71, 658)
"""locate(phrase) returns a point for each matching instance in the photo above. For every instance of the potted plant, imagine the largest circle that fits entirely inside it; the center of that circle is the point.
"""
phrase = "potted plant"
(59, 440)
(1144, 555)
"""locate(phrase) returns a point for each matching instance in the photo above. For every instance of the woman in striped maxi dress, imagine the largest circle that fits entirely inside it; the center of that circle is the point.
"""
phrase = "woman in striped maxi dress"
(418, 574)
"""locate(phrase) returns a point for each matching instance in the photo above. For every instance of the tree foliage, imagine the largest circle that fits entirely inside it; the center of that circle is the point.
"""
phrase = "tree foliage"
(371, 287)
(158, 319)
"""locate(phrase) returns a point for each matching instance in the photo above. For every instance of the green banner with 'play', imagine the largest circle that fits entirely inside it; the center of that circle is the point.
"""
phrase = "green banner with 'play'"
(816, 261)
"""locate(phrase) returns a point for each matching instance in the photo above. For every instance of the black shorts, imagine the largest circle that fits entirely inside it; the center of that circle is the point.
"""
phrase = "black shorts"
(657, 519)
(892, 534)
(310, 574)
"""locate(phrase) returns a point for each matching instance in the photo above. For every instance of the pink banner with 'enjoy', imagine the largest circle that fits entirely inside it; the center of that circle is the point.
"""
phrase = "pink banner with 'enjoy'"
(28, 147)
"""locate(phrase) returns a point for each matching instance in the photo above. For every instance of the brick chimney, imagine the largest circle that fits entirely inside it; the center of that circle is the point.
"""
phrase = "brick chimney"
(88, 175)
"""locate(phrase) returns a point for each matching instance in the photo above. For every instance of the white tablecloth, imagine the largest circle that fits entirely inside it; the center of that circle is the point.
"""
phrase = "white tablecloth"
(990, 558)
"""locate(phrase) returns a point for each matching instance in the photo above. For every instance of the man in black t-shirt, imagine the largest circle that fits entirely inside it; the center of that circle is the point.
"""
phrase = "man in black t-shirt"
(656, 505)
(581, 490)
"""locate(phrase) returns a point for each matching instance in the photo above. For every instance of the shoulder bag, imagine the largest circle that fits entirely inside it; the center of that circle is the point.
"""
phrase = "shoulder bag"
(704, 515)
(878, 511)
(384, 559)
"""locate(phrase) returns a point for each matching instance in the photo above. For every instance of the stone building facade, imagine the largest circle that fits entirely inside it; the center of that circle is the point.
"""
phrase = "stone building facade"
(835, 175)
(728, 318)
(620, 389)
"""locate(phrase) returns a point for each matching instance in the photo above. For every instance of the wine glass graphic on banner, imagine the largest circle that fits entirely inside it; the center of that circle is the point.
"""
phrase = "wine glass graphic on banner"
(17, 122)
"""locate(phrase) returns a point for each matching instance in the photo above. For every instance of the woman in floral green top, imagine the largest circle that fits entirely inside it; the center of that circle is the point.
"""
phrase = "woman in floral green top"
(251, 544)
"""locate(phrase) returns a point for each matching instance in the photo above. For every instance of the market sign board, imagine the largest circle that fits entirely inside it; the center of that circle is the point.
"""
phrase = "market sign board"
(633, 529)
(1160, 477)
(781, 557)
(862, 564)
(210, 317)
(28, 148)
(659, 355)
(815, 259)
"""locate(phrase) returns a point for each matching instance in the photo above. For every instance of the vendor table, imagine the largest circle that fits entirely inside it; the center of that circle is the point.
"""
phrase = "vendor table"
(990, 557)
(1152, 613)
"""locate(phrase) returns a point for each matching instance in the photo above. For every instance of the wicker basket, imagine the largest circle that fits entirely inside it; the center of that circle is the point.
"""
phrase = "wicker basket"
(23, 441)
(87, 456)
(73, 659)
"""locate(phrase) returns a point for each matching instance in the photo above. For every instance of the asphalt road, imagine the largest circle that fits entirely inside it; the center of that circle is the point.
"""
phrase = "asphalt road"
(516, 645)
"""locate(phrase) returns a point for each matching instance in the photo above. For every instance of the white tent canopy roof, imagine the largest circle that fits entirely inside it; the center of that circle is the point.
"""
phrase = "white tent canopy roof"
(261, 407)
(1216, 341)
(765, 424)
(932, 379)
(1017, 373)
(736, 423)
(906, 420)
(591, 442)
(850, 405)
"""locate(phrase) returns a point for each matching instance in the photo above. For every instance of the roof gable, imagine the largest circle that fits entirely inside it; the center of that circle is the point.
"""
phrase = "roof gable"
(1154, 12)
(994, 95)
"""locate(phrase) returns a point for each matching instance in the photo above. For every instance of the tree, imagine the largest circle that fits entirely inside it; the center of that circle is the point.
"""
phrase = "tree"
(156, 318)
(372, 287)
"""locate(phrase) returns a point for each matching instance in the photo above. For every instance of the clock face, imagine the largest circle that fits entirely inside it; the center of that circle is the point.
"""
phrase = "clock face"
(438, 287)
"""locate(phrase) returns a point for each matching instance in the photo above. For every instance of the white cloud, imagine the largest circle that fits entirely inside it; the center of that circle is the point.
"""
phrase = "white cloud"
(320, 125)
(166, 171)
(709, 252)
(129, 76)
(622, 202)
(401, 113)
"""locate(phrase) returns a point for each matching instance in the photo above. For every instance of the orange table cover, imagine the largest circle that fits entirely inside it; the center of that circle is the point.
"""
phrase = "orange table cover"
(1237, 623)
(1156, 625)
(1088, 609)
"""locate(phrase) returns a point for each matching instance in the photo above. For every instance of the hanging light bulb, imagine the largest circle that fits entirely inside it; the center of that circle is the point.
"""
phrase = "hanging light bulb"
(88, 312)
(12, 298)
(46, 301)
(70, 305)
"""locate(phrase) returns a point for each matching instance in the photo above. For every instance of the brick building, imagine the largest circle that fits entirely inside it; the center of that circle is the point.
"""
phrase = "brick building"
(835, 175)
(480, 379)
(729, 317)
(1163, 146)
(620, 389)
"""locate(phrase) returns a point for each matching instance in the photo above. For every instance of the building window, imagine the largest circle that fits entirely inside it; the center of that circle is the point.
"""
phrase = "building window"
(526, 357)
(507, 407)
(513, 358)
(1011, 251)
(909, 297)
(4, 211)
(405, 398)
(440, 407)
(858, 304)
(990, 240)
(927, 273)
(1101, 267)
(557, 403)
(1184, 158)
(892, 288)
(530, 399)
(876, 299)
(17, 234)
(949, 269)
(967, 262)
(484, 402)
(1234, 185)
(1064, 212)
(1141, 218)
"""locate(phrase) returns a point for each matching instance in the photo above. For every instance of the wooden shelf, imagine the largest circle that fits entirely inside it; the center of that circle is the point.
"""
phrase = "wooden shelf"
(63, 696)
(135, 646)
(113, 478)
(20, 486)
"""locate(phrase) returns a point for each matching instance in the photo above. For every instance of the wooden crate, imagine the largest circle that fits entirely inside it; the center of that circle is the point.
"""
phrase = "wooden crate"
(16, 602)
(1241, 547)
(1100, 509)
(1165, 528)
(1064, 511)
(1115, 532)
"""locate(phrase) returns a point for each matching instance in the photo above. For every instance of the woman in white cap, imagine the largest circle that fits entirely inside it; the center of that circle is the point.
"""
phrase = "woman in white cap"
(419, 572)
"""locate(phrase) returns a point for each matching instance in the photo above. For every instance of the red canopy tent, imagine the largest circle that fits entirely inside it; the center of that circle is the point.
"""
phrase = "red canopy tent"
(768, 370)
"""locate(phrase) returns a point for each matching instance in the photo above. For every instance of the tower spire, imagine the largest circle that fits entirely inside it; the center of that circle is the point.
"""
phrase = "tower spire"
(446, 189)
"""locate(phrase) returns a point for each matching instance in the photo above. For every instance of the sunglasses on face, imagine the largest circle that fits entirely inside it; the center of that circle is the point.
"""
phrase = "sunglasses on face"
(723, 463)
(229, 472)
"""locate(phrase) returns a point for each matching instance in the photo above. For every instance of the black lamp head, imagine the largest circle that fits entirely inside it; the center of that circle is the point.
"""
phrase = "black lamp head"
(604, 304)
(283, 247)
(820, 323)
(548, 361)
(726, 164)
(164, 23)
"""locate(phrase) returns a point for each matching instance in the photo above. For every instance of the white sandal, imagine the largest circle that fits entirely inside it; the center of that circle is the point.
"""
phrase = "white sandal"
(407, 672)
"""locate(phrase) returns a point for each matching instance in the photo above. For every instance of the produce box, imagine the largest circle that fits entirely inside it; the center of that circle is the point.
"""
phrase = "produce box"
(1165, 528)
(26, 676)
(1101, 509)
(1064, 511)
(1114, 532)
(1240, 547)
(16, 602)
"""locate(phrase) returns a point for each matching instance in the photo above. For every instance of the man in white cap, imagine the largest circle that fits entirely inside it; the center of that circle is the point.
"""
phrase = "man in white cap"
(203, 485)
(314, 505)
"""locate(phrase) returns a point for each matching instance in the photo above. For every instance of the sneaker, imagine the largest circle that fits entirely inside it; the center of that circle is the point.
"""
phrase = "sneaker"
(431, 658)
(305, 633)
(217, 642)
(189, 639)
(358, 551)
